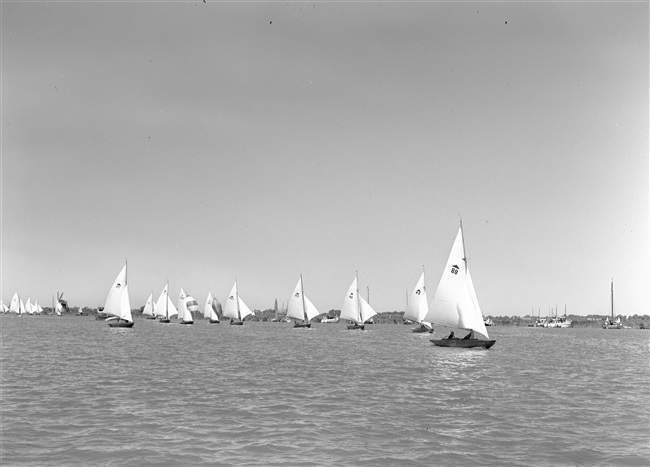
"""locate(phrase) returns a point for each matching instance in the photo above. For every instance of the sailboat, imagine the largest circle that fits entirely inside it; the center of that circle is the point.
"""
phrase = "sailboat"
(236, 309)
(3, 307)
(118, 304)
(455, 303)
(355, 309)
(15, 305)
(29, 308)
(418, 306)
(212, 309)
(609, 322)
(301, 308)
(186, 304)
(148, 308)
(164, 308)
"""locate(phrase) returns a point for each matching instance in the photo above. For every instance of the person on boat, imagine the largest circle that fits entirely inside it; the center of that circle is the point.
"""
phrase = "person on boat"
(468, 336)
(451, 336)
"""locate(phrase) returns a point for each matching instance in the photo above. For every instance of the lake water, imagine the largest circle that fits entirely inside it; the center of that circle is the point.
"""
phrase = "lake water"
(78, 393)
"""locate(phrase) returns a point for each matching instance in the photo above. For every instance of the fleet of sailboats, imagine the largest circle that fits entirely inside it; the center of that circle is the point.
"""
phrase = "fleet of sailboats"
(454, 305)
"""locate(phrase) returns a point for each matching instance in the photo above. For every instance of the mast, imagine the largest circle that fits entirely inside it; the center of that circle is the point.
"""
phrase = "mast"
(612, 300)
(358, 301)
(237, 300)
(302, 295)
(167, 300)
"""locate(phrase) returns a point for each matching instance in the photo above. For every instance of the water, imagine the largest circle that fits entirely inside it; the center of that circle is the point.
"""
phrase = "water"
(76, 393)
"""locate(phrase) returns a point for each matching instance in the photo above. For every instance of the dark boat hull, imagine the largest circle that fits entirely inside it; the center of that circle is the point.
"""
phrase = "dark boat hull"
(236, 323)
(214, 321)
(360, 327)
(150, 317)
(302, 325)
(464, 343)
(121, 324)
(187, 322)
(164, 320)
(423, 329)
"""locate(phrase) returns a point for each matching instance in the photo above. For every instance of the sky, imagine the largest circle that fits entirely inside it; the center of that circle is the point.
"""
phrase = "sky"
(258, 141)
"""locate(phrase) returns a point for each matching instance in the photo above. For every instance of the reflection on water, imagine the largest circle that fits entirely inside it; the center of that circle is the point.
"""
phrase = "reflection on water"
(76, 392)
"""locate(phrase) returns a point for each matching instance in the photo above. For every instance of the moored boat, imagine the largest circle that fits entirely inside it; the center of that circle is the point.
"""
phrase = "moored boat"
(610, 322)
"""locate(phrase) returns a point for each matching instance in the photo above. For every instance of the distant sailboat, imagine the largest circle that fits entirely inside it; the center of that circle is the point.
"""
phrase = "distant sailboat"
(3, 307)
(236, 309)
(609, 322)
(118, 304)
(418, 306)
(148, 308)
(186, 304)
(212, 309)
(15, 305)
(455, 303)
(29, 308)
(301, 308)
(164, 308)
(355, 308)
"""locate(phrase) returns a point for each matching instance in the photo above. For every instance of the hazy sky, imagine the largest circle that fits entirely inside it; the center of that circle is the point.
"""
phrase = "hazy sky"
(208, 142)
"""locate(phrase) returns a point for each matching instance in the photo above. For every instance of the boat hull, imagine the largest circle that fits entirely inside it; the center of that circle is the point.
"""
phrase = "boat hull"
(302, 325)
(214, 321)
(164, 320)
(121, 324)
(360, 327)
(187, 322)
(150, 317)
(422, 329)
(236, 323)
(464, 343)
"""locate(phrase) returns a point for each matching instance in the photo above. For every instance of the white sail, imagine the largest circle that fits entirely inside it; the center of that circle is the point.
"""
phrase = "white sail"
(3, 307)
(39, 308)
(21, 307)
(207, 309)
(350, 310)
(148, 306)
(232, 305)
(28, 306)
(117, 301)
(418, 305)
(58, 308)
(14, 305)
(244, 311)
(367, 311)
(186, 304)
(455, 303)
